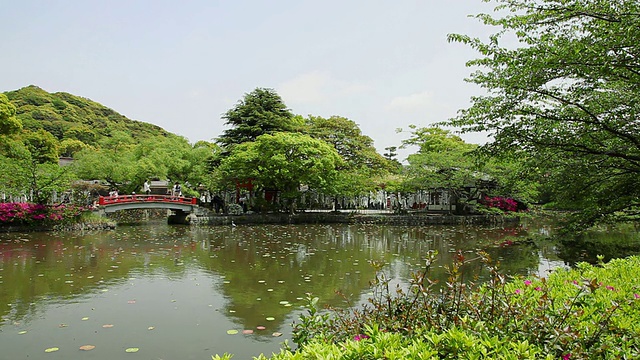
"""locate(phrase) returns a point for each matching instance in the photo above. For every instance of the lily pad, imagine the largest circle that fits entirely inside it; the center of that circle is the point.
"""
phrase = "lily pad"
(276, 334)
(132, 350)
(87, 347)
(232, 332)
(85, 318)
(247, 332)
(270, 318)
(106, 326)
(260, 327)
(51, 349)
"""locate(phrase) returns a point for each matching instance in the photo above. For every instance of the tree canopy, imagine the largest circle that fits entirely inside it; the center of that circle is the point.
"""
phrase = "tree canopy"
(443, 160)
(284, 161)
(568, 96)
(261, 111)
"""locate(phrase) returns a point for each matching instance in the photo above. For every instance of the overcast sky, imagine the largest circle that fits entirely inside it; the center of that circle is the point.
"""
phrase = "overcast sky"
(384, 64)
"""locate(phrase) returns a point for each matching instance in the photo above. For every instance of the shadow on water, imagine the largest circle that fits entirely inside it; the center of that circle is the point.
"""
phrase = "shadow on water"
(176, 291)
(607, 241)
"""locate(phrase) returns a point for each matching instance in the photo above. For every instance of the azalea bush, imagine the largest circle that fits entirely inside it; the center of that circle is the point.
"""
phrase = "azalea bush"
(499, 202)
(591, 312)
(38, 214)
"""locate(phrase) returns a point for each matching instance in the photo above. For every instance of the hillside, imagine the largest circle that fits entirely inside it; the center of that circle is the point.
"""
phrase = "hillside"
(69, 116)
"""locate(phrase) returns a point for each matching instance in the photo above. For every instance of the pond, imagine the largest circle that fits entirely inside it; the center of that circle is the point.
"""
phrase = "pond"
(180, 292)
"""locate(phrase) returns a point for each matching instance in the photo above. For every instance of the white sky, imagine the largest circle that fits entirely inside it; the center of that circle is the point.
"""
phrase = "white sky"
(384, 64)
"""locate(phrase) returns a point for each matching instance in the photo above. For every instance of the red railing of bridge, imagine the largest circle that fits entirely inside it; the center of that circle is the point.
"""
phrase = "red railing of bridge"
(123, 199)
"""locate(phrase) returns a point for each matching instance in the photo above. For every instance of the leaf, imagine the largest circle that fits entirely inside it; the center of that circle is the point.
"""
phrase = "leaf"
(51, 349)
(87, 347)
(276, 334)
(85, 318)
(132, 350)
(22, 332)
(247, 332)
(260, 327)
(151, 327)
(106, 326)
(232, 332)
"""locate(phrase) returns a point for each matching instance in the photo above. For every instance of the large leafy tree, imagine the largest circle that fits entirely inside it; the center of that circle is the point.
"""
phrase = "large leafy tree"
(362, 166)
(568, 96)
(29, 162)
(284, 161)
(443, 160)
(261, 111)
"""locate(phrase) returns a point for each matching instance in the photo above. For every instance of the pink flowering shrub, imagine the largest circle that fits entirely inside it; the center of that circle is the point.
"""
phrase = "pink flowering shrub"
(502, 203)
(37, 214)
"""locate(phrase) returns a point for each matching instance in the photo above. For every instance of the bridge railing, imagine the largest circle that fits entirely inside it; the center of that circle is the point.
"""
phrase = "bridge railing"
(121, 199)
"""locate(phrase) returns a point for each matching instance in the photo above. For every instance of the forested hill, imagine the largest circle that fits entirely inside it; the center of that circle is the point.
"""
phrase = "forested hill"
(68, 116)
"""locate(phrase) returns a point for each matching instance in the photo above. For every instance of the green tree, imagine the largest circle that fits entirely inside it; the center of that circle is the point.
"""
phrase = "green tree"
(568, 96)
(261, 111)
(9, 124)
(362, 166)
(443, 160)
(68, 147)
(30, 166)
(284, 161)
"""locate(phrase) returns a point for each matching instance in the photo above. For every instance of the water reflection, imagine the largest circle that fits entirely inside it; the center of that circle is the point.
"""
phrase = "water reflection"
(157, 283)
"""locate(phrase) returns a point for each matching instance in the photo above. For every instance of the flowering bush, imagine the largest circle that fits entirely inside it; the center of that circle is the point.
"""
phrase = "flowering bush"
(37, 214)
(502, 203)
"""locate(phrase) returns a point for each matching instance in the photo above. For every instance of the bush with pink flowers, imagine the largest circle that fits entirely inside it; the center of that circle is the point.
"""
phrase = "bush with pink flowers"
(499, 202)
(38, 214)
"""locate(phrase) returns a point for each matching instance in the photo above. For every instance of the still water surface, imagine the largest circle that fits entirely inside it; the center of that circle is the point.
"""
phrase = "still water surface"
(174, 292)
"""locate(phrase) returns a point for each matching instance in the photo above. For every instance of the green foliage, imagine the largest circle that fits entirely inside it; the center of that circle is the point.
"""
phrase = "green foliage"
(567, 97)
(68, 116)
(442, 161)
(69, 147)
(591, 312)
(261, 111)
(283, 161)
(362, 165)
(41, 145)
(9, 124)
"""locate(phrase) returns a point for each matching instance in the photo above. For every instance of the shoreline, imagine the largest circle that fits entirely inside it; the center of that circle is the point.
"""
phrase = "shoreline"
(353, 218)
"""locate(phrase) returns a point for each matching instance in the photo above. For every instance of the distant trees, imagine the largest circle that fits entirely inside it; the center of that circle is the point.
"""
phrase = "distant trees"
(282, 151)
(443, 160)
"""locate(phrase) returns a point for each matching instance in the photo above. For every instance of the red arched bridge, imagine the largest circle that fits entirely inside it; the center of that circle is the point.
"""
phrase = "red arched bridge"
(181, 207)
(124, 202)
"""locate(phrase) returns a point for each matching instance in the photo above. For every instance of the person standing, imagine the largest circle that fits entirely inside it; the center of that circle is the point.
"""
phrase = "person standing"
(146, 187)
